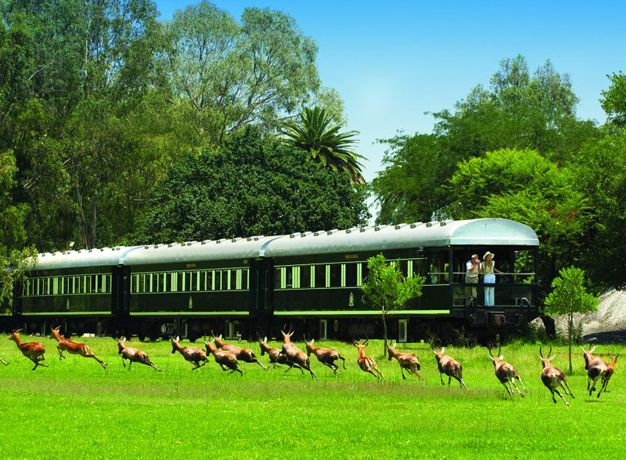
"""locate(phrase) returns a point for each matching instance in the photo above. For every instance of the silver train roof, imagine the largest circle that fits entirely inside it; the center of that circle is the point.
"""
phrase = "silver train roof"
(477, 232)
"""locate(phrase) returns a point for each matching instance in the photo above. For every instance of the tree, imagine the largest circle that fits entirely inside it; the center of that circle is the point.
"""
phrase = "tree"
(317, 132)
(14, 258)
(568, 297)
(226, 75)
(613, 99)
(526, 187)
(252, 185)
(388, 289)
(600, 175)
(518, 110)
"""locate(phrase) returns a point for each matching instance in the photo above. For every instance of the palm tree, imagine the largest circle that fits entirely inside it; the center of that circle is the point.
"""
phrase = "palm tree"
(316, 131)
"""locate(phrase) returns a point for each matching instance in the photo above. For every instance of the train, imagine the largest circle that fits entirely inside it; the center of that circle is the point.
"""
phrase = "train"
(311, 281)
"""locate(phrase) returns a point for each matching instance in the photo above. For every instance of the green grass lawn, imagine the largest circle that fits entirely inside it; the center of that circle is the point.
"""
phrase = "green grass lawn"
(74, 409)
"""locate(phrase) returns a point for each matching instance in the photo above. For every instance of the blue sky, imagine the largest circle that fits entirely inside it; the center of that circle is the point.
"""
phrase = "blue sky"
(393, 61)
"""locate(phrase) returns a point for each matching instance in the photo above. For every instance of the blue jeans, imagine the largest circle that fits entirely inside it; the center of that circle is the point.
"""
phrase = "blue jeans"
(489, 291)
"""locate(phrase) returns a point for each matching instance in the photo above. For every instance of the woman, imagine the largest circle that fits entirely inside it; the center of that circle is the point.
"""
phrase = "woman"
(488, 269)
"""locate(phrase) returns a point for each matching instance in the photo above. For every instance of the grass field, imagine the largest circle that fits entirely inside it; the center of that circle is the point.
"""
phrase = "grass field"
(75, 409)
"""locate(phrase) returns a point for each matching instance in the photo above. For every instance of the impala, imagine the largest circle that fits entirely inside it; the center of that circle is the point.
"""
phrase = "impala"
(408, 361)
(326, 356)
(32, 350)
(191, 354)
(242, 354)
(506, 373)
(276, 356)
(608, 373)
(75, 348)
(553, 377)
(133, 355)
(449, 366)
(296, 356)
(367, 363)
(225, 359)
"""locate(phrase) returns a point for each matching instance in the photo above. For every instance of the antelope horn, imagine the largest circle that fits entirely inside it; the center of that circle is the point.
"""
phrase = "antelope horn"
(490, 354)
(592, 349)
(550, 352)
(540, 352)
(499, 349)
(265, 339)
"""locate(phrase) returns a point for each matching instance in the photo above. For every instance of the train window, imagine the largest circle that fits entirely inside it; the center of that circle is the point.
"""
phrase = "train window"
(320, 276)
(232, 279)
(351, 274)
(295, 277)
(88, 283)
(305, 277)
(246, 279)
(187, 282)
(133, 283)
(343, 275)
(359, 274)
(55, 286)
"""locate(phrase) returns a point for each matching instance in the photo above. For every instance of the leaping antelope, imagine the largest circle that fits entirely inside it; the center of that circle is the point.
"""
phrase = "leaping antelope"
(449, 366)
(32, 350)
(326, 356)
(75, 348)
(242, 354)
(133, 355)
(225, 359)
(608, 374)
(367, 363)
(276, 356)
(553, 377)
(506, 373)
(191, 354)
(295, 356)
(408, 361)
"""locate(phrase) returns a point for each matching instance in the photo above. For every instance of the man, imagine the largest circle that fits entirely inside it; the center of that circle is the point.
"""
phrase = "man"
(471, 276)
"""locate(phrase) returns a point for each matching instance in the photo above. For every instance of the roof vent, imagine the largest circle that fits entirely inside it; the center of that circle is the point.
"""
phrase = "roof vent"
(429, 224)
(413, 225)
(349, 231)
(443, 223)
(377, 228)
(397, 227)
(256, 238)
(146, 247)
(218, 241)
(316, 233)
(155, 246)
(362, 229)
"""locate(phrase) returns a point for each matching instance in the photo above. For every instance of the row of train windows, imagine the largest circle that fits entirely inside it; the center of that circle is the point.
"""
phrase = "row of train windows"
(191, 281)
(335, 275)
(99, 283)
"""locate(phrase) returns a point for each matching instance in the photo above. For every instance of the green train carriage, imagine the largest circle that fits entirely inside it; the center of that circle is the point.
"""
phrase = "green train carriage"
(309, 281)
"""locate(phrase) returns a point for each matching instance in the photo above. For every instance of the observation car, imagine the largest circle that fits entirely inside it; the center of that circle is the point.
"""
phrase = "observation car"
(308, 281)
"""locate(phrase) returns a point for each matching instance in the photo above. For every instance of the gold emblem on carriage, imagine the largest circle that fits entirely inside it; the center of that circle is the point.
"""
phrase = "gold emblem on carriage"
(190, 303)
(351, 300)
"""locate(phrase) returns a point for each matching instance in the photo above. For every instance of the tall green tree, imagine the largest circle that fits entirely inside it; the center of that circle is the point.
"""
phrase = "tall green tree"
(317, 132)
(254, 184)
(569, 296)
(225, 74)
(524, 186)
(518, 110)
(600, 176)
(613, 99)
(15, 258)
(388, 289)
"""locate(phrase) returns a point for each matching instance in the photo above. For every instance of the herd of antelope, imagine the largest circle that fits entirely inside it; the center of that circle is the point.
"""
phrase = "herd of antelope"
(229, 356)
